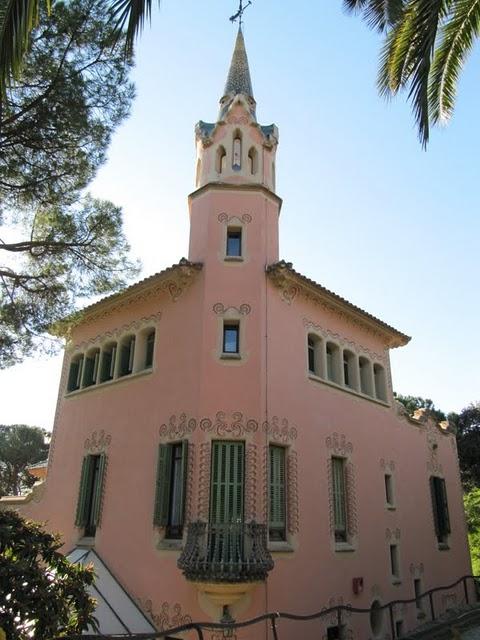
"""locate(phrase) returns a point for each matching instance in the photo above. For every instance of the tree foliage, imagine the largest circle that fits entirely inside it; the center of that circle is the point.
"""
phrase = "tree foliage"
(471, 503)
(57, 243)
(426, 45)
(467, 424)
(42, 595)
(412, 403)
(20, 446)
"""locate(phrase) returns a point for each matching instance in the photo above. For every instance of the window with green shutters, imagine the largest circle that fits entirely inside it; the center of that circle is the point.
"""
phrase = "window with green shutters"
(127, 352)
(277, 520)
(109, 356)
(227, 482)
(75, 373)
(91, 368)
(89, 505)
(441, 517)
(339, 499)
(169, 509)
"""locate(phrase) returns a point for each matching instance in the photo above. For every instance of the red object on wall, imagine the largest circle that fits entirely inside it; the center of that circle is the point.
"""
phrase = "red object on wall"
(357, 585)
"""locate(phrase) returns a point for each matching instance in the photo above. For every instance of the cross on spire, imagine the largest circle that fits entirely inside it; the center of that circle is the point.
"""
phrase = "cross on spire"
(239, 15)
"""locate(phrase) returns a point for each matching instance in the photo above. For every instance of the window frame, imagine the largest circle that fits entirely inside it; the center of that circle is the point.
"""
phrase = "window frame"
(234, 233)
(231, 325)
(340, 500)
(167, 484)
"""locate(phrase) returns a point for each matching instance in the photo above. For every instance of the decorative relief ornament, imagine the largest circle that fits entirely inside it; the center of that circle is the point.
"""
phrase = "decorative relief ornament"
(246, 218)
(220, 309)
(97, 442)
(293, 517)
(280, 430)
(392, 534)
(178, 427)
(237, 427)
(170, 615)
(134, 326)
(338, 444)
(387, 465)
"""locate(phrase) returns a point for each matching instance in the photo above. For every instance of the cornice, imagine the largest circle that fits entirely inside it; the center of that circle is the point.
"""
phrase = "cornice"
(227, 186)
(173, 281)
(291, 283)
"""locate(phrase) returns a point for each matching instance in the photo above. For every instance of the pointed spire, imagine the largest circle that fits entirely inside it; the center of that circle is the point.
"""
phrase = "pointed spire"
(238, 80)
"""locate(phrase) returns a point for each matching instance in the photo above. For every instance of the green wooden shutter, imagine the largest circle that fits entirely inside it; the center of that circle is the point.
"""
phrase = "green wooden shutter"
(226, 501)
(82, 515)
(72, 376)
(277, 510)
(444, 502)
(339, 497)
(98, 490)
(434, 495)
(184, 467)
(162, 490)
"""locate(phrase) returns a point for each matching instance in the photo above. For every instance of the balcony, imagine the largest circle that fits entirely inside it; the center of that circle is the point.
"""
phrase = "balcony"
(226, 560)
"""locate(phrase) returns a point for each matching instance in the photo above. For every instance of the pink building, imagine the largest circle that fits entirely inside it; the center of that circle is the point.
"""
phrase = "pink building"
(226, 439)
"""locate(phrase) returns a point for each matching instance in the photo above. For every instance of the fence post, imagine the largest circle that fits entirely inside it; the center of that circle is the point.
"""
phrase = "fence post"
(432, 610)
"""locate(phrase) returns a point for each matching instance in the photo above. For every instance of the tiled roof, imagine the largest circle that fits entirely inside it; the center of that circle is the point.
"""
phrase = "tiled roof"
(285, 268)
(238, 80)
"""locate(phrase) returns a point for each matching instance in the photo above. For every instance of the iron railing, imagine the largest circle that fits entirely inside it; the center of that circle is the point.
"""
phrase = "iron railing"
(340, 612)
(226, 553)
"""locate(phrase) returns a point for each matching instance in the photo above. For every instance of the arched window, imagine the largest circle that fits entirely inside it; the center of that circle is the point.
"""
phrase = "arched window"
(311, 355)
(379, 380)
(315, 355)
(366, 375)
(108, 359)
(253, 161)
(237, 151)
(149, 345)
(75, 373)
(90, 373)
(127, 351)
(350, 377)
(333, 362)
(220, 159)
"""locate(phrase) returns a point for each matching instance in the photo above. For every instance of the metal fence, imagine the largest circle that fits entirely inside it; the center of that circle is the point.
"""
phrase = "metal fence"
(339, 612)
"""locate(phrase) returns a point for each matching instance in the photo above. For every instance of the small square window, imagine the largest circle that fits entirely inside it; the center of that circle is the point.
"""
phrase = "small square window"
(231, 338)
(234, 243)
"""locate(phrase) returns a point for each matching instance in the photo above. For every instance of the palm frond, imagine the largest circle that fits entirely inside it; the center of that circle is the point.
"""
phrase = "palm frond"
(132, 15)
(457, 38)
(396, 58)
(379, 14)
(17, 19)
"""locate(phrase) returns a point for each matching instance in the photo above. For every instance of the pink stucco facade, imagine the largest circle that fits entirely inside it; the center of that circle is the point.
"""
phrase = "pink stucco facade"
(267, 393)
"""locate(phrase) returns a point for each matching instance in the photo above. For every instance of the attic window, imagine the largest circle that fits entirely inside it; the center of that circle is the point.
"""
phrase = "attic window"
(252, 161)
(220, 160)
(237, 151)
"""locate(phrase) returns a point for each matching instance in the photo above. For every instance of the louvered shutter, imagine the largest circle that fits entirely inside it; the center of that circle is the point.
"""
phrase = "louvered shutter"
(277, 518)
(97, 497)
(446, 516)
(82, 515)
(183, 485)
(162, 490)
(226, 504)
(339, 497)
(434, 495)
(72, 376)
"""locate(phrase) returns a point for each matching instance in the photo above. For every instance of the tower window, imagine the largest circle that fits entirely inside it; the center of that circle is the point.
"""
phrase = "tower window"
(234, 243)
(389, 490)
(253, 161)
(237, 151)
(394, 562)
(221, 159)
(231, 338)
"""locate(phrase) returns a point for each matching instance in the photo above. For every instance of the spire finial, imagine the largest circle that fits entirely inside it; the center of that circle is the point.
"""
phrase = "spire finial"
(239, 15)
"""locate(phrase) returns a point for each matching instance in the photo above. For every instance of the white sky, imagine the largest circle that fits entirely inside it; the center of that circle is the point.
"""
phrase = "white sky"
(366, 212)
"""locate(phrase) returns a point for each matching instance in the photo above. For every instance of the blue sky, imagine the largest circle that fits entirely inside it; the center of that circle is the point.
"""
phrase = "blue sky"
(366, 211)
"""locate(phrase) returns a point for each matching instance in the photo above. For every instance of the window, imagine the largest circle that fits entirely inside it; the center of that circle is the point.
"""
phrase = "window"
(365, 376)
(89, 503)
(109, 356)
(335, 633)
(311, 355)
(231, 337)
(91, 368)
(399, 629)
(394, 562)
(333, 354)
(350, 370)
(379, 380)
(227, 486)
(417, 588)
(75, 373)
(237, 151)
(252, 160)
(149, 345)
(221, 159)
(170, 490)
(390, 500)
(127, 352)
(277, 525)
(441, 518)
(339, 499)
(376, 618)
(234, 243)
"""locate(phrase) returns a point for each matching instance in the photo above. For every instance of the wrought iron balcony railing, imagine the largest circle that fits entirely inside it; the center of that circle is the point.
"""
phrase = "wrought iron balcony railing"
(226, 553)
